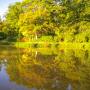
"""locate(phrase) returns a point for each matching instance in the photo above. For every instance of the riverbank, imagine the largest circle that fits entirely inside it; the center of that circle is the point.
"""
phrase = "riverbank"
(6, 43)
(53, 45)
(62, 45)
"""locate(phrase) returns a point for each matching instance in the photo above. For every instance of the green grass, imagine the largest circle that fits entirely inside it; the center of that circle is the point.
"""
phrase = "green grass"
(48, 44)
(53, 45)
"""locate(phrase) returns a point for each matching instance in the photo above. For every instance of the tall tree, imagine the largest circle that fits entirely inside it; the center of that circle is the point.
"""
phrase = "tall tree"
(12, 18)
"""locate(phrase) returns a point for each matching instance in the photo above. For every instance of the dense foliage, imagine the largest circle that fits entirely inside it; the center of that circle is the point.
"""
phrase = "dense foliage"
(52, 20)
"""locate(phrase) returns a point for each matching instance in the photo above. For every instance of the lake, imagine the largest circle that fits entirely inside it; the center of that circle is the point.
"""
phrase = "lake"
(44, 69)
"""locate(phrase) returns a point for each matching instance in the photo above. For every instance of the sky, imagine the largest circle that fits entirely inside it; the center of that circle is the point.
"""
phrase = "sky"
(4, 6)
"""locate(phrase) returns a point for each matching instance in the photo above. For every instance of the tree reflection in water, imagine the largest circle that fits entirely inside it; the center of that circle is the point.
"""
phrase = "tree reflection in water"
(49, 70)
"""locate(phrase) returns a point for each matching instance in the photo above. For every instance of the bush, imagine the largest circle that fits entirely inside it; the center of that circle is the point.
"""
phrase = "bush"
(2, 36)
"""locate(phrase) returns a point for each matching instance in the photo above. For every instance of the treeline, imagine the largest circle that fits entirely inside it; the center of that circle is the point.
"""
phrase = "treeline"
(47, 20)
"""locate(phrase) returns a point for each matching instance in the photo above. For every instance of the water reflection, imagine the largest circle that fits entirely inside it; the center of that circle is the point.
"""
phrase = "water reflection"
(44, 69)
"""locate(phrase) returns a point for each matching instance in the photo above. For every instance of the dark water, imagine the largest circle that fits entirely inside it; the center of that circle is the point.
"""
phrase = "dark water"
(44, 69)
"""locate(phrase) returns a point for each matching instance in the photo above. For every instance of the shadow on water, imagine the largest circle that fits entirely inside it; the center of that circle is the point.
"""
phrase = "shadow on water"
(44, 69)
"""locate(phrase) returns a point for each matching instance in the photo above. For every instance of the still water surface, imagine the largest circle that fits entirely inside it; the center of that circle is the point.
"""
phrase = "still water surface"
(44, 69)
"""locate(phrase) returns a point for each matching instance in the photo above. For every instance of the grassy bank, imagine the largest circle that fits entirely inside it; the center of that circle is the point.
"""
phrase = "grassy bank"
(47, 44)
(53, 45)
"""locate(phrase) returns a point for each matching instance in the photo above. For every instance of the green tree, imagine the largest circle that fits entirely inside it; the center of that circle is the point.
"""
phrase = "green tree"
(11, 21)
(53, 17)
(66, 20)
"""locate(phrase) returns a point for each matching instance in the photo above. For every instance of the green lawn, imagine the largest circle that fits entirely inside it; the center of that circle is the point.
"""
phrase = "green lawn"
(53, 45)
